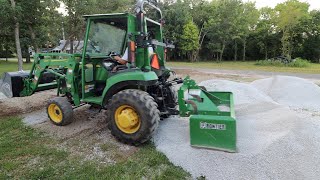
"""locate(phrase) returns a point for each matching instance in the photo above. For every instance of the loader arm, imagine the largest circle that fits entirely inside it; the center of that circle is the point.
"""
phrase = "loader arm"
(43, 68)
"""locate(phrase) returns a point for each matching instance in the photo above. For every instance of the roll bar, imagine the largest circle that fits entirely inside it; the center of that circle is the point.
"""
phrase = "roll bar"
(152, 3)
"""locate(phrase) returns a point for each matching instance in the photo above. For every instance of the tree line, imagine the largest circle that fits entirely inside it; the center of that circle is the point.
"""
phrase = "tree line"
(236, 30)
(214, 30)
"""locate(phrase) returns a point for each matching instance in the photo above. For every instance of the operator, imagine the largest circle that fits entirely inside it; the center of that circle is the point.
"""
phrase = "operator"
(124, 59)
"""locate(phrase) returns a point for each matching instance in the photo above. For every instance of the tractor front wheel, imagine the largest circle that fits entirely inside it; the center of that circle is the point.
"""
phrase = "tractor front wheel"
(133, 116)
(60, 111)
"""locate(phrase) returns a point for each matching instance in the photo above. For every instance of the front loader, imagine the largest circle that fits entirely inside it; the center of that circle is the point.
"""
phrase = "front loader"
(135, 95)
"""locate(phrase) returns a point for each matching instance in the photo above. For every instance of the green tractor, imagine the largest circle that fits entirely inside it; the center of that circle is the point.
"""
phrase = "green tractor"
(122, 69)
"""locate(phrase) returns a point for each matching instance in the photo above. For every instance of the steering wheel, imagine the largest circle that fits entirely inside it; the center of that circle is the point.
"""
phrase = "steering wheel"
(109, 63)
(112, 54)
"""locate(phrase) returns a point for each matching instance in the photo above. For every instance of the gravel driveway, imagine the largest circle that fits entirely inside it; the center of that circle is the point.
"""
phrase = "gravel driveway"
(250, 74)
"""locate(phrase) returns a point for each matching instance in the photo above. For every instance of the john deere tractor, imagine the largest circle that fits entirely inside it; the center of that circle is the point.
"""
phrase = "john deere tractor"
(136, 94)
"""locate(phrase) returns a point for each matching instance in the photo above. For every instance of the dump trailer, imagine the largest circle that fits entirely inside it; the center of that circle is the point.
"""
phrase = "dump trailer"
(122, 69)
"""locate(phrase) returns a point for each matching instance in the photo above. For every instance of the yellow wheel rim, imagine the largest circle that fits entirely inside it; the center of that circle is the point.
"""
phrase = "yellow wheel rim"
(127, 119)
(55, 113)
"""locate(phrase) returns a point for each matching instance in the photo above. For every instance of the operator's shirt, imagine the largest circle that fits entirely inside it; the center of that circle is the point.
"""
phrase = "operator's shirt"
(126, 56)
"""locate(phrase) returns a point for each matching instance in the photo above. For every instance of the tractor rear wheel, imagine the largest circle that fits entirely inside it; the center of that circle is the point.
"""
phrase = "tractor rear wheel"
(133, 116)
(60, 111)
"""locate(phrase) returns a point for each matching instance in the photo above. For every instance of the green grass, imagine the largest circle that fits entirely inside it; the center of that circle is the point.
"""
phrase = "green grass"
(299, 63)
(12, 66)
(312, 69)
(26, 153)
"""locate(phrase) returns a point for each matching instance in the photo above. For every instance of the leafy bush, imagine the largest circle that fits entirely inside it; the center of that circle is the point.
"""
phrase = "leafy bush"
(298, 62)
(269, 63)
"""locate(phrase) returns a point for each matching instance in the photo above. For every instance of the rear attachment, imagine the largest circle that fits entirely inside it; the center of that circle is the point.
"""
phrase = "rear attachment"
(212, 116)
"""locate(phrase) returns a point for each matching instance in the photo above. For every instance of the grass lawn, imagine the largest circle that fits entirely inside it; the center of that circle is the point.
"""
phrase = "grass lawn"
(313, 69)
(12, 66)
(26, 153)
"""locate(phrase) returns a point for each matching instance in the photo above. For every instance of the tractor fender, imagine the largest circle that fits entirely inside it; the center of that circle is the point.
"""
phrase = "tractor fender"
(128, 80)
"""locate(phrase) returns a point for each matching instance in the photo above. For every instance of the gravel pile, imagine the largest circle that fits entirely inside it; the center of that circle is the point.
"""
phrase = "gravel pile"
(291, 91)
(243, 93)
(275, 141)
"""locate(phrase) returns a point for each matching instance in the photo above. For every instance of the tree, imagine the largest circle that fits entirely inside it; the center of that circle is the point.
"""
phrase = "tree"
(6, 28)
(224, 28)
(17, 33)
(290, 14)
(38, 26)
(265, 30)
(111, 6)
(311, 42)
(200, 13)
(176, 15)
(221, 25)
(74, 21)
(34, 27)
(190, 40)
(77, 8)
(249, 19)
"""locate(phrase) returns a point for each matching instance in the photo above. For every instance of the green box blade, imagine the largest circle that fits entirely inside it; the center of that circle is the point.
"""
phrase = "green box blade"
(214, 132)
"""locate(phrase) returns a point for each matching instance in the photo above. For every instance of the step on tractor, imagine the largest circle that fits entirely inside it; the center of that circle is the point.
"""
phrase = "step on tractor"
(135, 94)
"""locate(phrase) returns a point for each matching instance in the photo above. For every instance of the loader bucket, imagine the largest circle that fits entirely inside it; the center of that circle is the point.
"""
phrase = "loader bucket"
(11, 83)
(212, 116)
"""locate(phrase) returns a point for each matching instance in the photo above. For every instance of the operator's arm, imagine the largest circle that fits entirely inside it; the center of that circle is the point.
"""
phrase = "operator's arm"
(120, 60)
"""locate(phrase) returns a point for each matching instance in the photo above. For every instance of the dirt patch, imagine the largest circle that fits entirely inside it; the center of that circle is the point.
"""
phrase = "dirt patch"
(21, 105)
(87, 137)
(84, 120)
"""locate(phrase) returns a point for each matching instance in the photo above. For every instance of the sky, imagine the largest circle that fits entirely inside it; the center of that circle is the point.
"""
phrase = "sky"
(314, 4)
(62, 9)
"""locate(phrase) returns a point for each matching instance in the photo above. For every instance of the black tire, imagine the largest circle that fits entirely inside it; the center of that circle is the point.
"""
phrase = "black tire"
(63, 107)
(145, 107)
